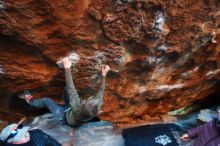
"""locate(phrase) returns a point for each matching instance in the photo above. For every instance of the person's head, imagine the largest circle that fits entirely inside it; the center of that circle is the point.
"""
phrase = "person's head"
(218, 112)
(90, 108)
(15, 134)
(217, 119)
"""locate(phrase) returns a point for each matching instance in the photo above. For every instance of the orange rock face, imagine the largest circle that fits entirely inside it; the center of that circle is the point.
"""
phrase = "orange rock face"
(163, 54)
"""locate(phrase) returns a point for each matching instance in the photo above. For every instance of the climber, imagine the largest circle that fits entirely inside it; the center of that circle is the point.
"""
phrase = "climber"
(16, 134)
(75, 111)
(205, 135)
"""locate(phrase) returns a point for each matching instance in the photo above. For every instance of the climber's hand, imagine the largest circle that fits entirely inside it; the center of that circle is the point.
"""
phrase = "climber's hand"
(66, 62)
(184, 137)
(105, 70)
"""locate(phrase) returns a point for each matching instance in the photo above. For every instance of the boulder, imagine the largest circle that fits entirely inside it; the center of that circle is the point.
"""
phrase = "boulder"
(164, 54)
(93, 133)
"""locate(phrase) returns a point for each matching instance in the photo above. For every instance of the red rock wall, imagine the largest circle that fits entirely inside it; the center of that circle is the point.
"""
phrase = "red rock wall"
(164, 54)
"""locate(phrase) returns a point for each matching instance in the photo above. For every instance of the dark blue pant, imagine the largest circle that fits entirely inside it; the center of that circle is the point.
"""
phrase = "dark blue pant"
(56, 109)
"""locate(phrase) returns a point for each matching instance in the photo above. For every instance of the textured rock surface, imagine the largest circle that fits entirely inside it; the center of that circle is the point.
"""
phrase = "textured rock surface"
(164, 54)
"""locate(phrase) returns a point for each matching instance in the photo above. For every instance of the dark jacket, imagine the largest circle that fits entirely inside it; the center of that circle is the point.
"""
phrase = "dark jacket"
(206, 135)
(37, 138)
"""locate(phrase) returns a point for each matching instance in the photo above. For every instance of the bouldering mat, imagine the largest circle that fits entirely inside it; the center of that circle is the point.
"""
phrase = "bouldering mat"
(151, 135)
